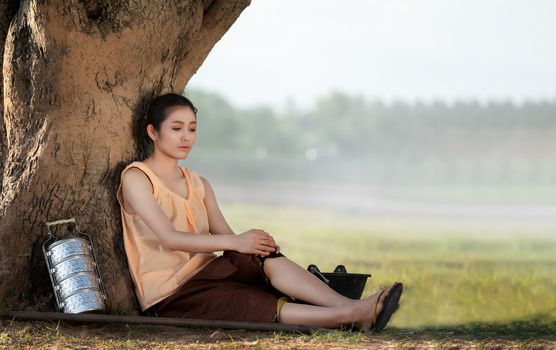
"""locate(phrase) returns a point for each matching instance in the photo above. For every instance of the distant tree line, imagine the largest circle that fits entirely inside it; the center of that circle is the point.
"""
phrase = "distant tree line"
(352, 138)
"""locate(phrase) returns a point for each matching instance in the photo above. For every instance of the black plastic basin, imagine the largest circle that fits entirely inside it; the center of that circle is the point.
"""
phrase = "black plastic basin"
(350, 285)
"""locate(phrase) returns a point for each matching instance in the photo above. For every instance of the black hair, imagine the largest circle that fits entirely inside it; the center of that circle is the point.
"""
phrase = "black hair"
(157, 114)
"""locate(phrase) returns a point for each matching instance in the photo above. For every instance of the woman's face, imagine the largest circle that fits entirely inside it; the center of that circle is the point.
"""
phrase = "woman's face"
(177, 133)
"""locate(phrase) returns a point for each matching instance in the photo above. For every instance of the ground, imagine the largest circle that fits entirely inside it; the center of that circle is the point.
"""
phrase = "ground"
(468, 283)
(54, 335)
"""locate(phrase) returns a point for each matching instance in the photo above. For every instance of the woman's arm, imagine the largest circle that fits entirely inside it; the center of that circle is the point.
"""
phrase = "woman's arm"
(217, 223)
(138, 194)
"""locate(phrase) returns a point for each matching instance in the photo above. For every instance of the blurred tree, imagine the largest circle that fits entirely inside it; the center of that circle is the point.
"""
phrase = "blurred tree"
(219, 124)
(435, 142)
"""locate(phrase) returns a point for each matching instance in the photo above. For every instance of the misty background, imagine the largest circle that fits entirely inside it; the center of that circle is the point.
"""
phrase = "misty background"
(429, 107)
(410, 140)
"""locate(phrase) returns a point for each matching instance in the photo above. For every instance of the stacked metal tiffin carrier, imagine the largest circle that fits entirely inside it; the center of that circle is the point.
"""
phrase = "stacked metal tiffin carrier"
(73, 271)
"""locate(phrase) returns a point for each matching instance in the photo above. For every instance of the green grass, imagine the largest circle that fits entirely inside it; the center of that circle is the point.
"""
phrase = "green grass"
(455, 272)
(51, 335)
(468, 284)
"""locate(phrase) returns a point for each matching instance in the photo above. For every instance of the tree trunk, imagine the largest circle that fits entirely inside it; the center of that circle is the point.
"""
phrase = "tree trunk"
(76, 76)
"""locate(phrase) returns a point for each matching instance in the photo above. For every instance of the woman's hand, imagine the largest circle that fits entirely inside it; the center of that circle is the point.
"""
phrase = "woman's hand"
(255, 241)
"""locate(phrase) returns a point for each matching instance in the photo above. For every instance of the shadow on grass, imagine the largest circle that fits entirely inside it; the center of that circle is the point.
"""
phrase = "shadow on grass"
(540, 326)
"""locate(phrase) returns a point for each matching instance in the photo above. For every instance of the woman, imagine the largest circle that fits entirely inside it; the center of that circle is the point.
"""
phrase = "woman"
(172, 226)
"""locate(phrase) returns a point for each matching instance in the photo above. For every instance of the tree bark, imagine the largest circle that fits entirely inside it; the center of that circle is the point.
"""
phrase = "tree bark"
(7, 13)
(77, 75)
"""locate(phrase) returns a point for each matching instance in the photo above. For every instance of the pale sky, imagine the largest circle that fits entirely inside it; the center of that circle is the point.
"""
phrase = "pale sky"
(389, 49)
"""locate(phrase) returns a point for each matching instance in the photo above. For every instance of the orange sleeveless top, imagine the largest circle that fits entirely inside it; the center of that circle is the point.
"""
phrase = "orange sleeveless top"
(157, 271)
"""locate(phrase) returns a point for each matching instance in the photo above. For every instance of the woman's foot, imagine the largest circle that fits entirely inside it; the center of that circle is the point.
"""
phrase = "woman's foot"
(390, 305)
(367, 311)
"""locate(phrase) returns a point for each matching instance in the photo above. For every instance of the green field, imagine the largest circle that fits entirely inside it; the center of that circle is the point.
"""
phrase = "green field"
(455, 271)
(480, 284)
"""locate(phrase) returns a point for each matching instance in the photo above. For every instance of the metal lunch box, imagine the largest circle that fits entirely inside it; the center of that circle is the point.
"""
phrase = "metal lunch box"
(74, 283)
(73, 271)
(70, 266)
(84, 301)
(65, 248)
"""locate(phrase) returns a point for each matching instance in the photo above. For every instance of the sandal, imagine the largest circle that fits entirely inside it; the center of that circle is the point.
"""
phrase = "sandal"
(389, 306)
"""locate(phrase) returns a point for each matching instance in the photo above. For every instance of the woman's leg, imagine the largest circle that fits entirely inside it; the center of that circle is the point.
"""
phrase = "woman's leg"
(357, 312)
(294, 281)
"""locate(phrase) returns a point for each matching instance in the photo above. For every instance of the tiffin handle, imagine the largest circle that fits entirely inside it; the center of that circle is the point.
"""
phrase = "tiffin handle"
(59, 222)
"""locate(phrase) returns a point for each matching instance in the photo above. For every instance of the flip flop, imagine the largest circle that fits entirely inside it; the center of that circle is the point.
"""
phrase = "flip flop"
(389, 306)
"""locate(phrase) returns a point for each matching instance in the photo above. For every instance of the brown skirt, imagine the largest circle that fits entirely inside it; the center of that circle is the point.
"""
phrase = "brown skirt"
(232, 287)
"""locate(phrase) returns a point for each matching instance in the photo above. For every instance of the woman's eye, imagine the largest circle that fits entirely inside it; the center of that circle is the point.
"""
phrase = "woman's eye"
(176, 129)
(193, 130)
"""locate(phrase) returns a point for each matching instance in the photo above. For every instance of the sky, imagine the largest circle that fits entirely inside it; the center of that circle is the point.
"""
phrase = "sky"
(300, 50)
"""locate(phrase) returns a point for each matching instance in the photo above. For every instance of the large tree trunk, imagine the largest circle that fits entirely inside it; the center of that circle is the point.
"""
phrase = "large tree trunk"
(76, 75)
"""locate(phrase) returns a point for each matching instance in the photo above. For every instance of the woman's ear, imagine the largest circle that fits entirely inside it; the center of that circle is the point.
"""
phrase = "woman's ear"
(151, 132)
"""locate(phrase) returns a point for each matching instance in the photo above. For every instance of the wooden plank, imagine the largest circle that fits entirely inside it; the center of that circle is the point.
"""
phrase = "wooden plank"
(165, 321)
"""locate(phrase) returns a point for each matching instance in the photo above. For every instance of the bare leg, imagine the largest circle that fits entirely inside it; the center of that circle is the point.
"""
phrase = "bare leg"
(358, 312)
(293, 280)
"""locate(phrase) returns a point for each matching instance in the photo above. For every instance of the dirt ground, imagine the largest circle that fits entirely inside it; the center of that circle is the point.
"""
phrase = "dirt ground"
(61, 335)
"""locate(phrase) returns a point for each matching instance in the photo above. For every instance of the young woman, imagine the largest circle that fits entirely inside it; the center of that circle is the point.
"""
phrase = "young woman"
(172, 226)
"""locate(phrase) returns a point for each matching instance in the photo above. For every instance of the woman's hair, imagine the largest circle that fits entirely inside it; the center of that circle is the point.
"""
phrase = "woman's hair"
(157, 114)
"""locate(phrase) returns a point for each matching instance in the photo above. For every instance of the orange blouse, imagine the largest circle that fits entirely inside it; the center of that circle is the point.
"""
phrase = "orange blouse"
(158, 271)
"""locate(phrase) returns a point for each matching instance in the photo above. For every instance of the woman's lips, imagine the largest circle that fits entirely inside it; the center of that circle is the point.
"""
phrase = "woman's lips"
(184, 147)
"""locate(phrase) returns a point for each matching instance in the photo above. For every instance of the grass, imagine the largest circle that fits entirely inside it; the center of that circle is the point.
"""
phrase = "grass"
(31, 335)
(454, 272)
(468, 283)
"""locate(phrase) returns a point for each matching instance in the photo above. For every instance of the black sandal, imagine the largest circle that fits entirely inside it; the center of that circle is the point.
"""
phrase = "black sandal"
(390, 305)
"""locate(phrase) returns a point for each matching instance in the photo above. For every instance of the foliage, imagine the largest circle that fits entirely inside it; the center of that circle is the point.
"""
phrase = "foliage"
(372, 141)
